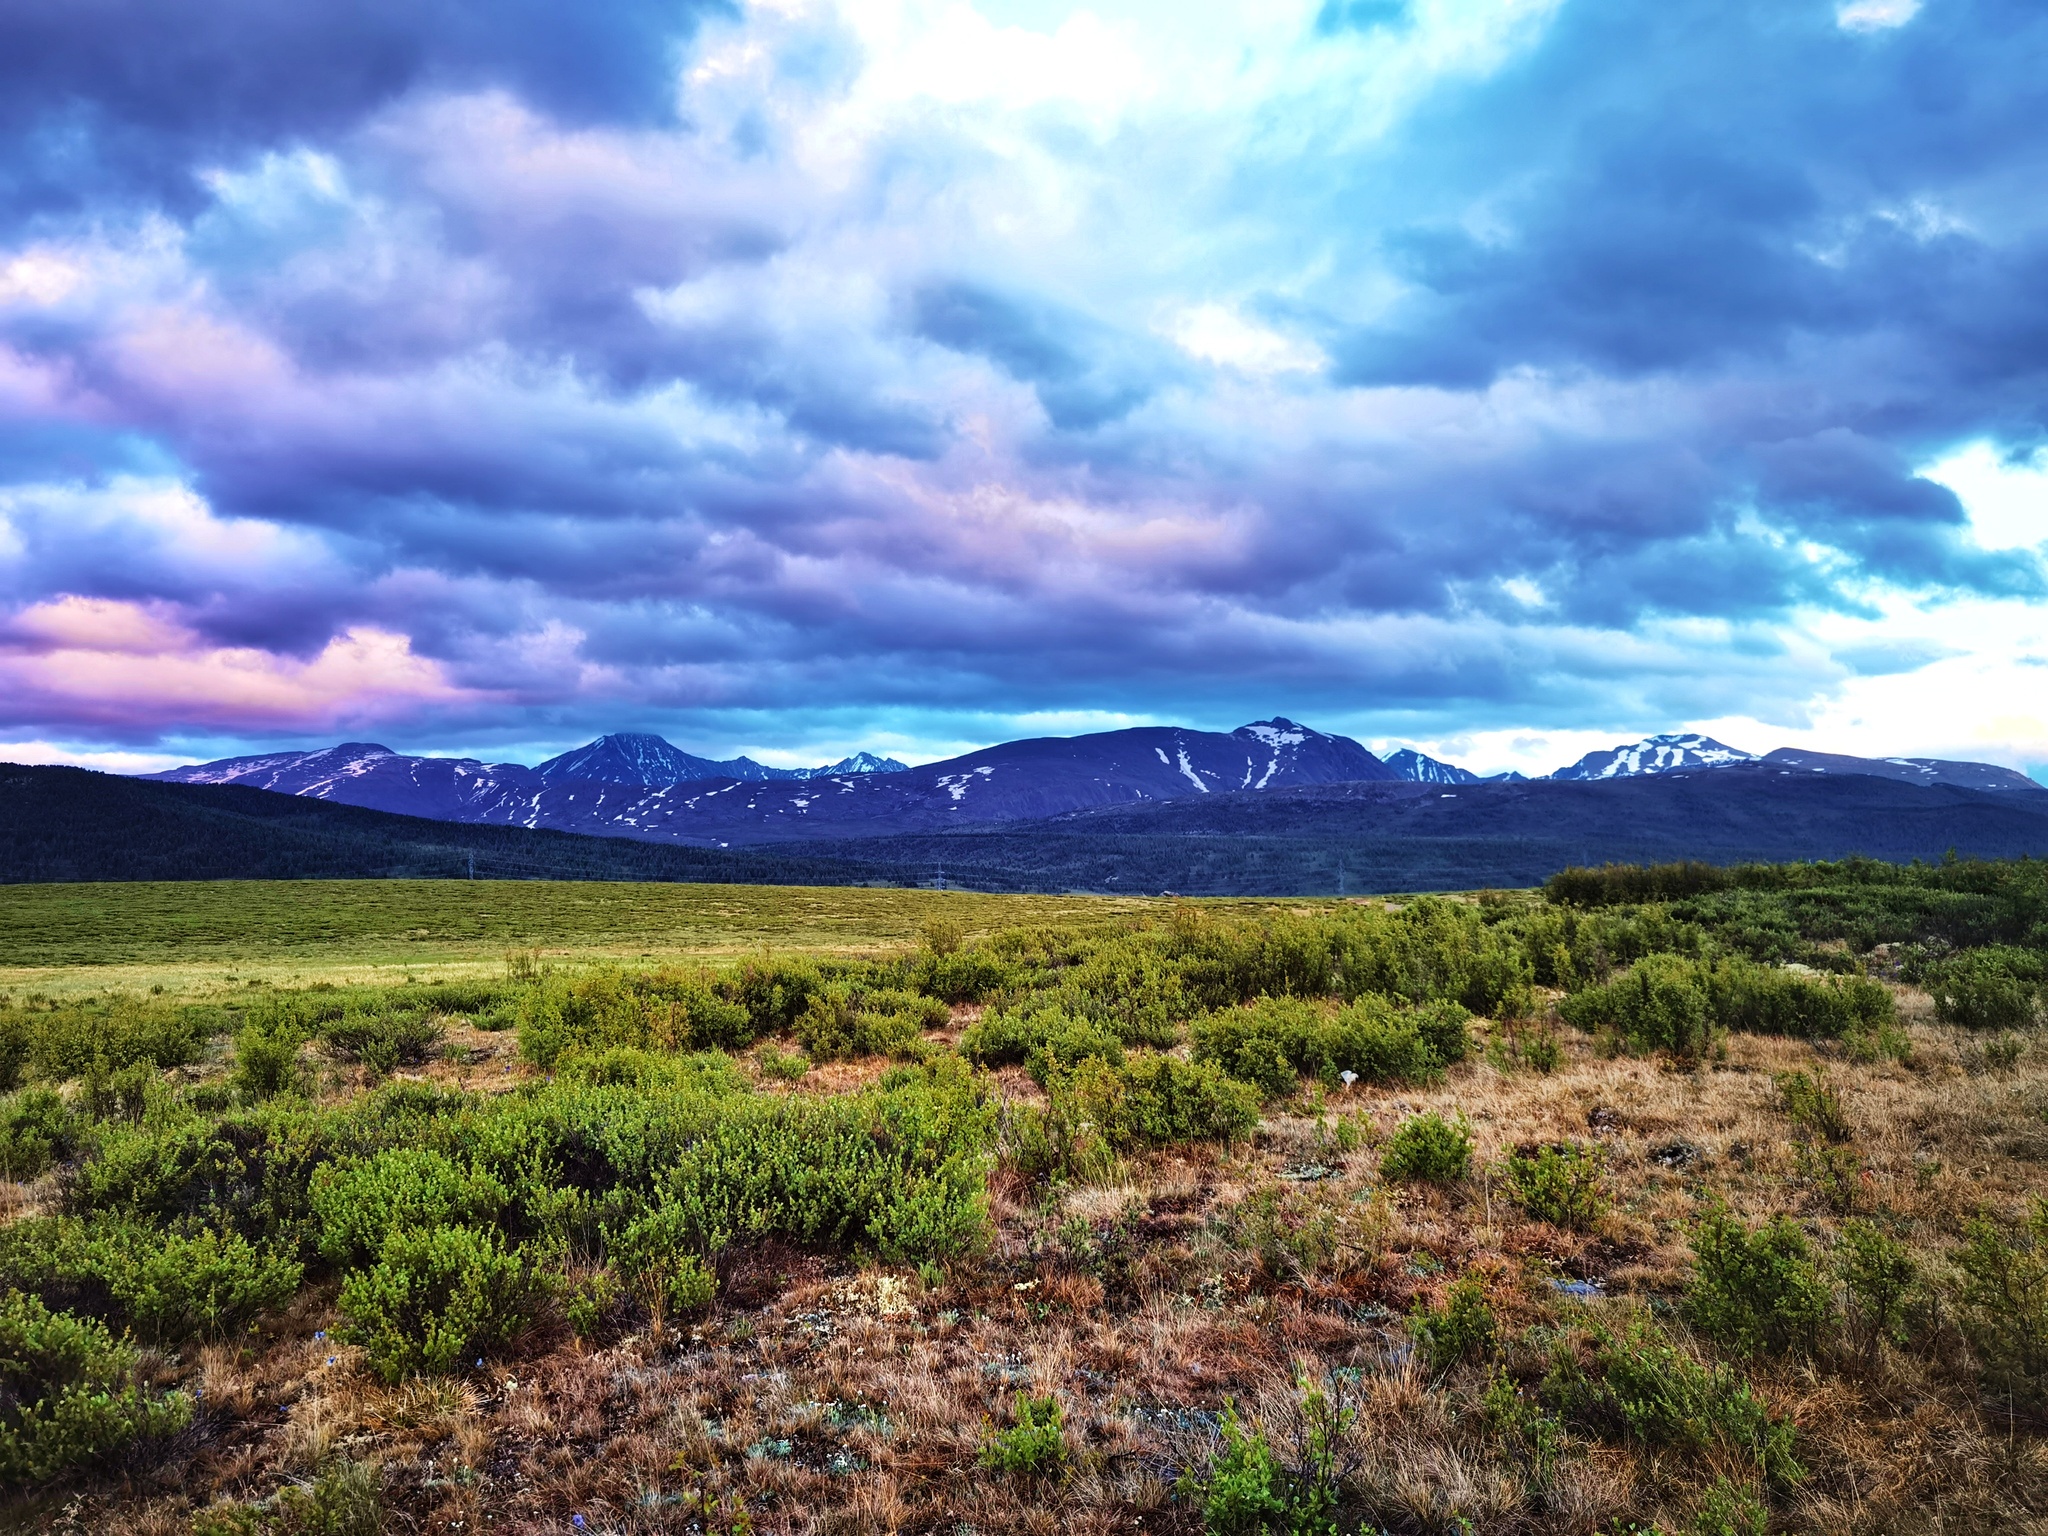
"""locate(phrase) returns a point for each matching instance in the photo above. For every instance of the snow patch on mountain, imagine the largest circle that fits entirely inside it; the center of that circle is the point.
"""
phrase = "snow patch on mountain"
(1656, 754)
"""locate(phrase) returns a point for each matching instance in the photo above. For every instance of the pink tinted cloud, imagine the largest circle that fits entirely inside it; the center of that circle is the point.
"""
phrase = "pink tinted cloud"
(95, 661)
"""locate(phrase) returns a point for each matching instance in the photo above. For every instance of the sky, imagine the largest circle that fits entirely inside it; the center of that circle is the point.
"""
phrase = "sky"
(1504, 377)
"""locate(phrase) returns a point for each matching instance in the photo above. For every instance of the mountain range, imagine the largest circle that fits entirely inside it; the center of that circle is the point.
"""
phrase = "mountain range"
(629, 785)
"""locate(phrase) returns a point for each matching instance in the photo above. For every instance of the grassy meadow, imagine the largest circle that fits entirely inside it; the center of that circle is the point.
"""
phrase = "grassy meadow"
(191, 936)
(1704, 1202)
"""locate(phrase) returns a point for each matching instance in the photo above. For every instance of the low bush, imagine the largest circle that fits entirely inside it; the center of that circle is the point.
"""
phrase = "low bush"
(1035, 1445)
(60, 1041)
(346, 1498)
(1987, 989)
(359, 1205)
(842, 1020)
(1728, 1509)
(1659, 1004)
(1640, 1384)
(1275, 1041)
(381, 1041)
(2003, 1303)
(68, 1395)
(783, 1066)
(1769, 1000)
(1429, 1149)
(1252, 1488)
(671, 1010)
(1881, 1277)
(35, 1132)
(1757, 1292)
(1813, 1104)
(266, 1061)
(1042, 1042)
(1157, 1101)
(1557, 1184)
(165, 1286)
(1462, 1329)
(434, 1297)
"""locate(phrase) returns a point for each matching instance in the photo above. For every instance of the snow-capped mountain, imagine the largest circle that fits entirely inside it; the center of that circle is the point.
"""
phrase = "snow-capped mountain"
(1418, 768)
(860, 762)
(1655, 754)
(1908, 770)
(595, 789)
(630, 757)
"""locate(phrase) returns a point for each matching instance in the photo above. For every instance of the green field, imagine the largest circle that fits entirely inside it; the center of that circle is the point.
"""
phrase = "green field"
(188, 936)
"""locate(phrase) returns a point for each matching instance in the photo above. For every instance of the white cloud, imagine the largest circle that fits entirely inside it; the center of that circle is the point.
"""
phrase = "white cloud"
(2007, 503)
(106, 761)
(1217, 334)
(1875, 15)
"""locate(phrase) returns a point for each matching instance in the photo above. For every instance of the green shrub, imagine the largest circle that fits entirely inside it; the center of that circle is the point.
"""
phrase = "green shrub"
(1293, 1236)
(1460, 1330)
(842, 1020)
(2004, 1302)
(358, 1205)
(346, 1499)
(381, 1041)
(671, 1010)
(1041, 1041)
(1638, 1383)
(772, 993)
(164, 1285)
(266, 1062)
(1249, 1489)
(1986, 990)
(1536, 1438)
(785, 1066)
(1769, 1000)
(1728, 1509)
(587, 1299)
(434, 1298)
(1158, 1101)
(1035, 1445)
(60, 1041)
(68, 1395)
(1660, 1004)
(1881, 1277)
(1275, 1040)
(1557, 1184)
(1813, 1104)
(35, 1132)
(120, 1093)
(1429, 1149)
(1756, 1292)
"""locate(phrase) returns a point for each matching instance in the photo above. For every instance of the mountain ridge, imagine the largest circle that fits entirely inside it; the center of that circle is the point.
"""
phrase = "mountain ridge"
(619, 785)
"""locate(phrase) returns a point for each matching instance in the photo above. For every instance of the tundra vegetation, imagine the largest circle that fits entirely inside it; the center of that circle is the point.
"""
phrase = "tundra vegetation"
(1682, 1199)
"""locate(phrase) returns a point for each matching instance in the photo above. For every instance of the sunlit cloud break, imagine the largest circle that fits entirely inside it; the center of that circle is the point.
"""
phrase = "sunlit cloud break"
(801, 376)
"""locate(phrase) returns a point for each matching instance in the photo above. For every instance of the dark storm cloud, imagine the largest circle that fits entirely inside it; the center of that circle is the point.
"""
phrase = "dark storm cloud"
(656, 351)
(105, 98)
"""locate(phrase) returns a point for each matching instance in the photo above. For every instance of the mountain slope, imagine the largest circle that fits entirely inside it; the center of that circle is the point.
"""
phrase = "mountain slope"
(1017, 780)
(636, 758)
(1359, 838)
(1417, 768)
(66, 824)
(1907, 770)
(1655, 754)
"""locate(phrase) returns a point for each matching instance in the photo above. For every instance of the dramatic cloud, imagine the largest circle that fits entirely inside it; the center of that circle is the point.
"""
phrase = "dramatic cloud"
(802, 375)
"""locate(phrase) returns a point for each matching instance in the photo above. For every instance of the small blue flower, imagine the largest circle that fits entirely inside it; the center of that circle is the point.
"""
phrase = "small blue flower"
(577, 1521)
(321, 1334)
(479, 1362)
(330, 1359)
